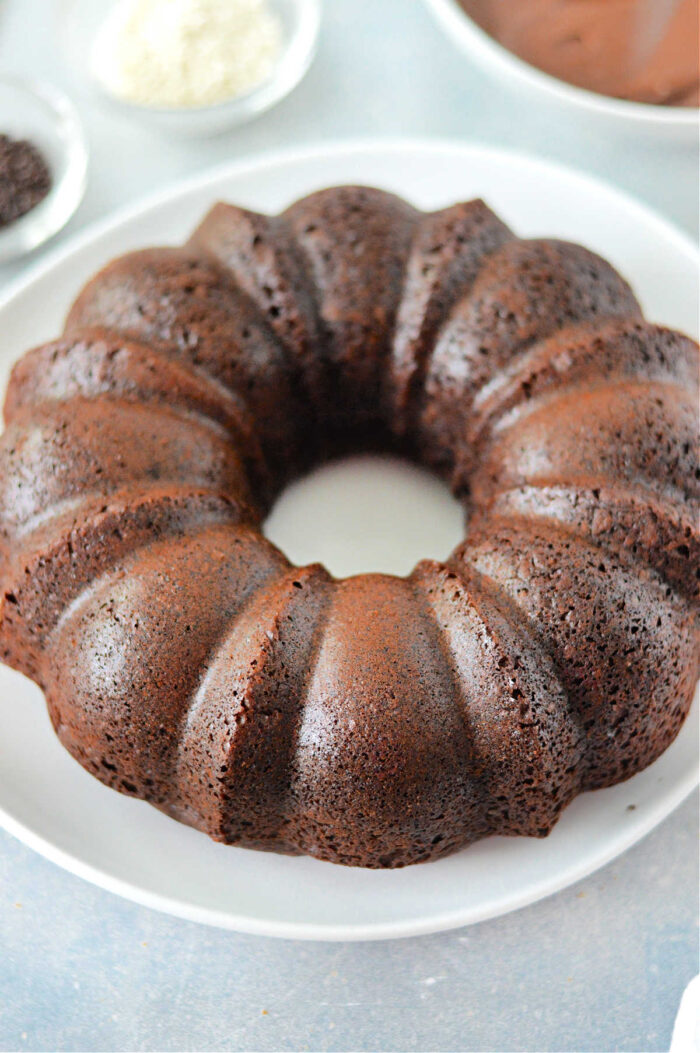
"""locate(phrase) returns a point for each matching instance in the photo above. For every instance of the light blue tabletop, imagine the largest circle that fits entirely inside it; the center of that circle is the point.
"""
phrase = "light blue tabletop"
(602, 965)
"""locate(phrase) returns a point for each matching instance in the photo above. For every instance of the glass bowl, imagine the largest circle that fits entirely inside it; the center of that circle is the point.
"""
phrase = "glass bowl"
(43, 115)
(80, 21)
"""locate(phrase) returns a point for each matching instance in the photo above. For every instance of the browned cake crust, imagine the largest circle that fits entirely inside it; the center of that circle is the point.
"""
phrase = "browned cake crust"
(374, 721)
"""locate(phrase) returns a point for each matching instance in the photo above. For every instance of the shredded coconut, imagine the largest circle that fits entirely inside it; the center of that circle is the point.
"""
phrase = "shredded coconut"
(184, 53)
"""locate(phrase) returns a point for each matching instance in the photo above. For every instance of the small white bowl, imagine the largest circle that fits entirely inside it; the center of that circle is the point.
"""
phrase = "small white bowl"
(81, 20)
(668, 124)
(38, 112)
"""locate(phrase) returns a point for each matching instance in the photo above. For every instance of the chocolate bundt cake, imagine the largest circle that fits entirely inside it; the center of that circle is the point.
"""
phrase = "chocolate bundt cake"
(375, 721)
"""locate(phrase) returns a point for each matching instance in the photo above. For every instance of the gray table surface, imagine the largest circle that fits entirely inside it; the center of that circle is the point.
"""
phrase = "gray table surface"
(602, 965)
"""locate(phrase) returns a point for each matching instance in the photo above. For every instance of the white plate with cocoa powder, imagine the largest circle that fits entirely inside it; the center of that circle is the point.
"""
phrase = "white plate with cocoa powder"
(126, 846)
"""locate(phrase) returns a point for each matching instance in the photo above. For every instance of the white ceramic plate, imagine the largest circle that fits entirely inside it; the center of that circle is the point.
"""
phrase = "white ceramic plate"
(47, 800)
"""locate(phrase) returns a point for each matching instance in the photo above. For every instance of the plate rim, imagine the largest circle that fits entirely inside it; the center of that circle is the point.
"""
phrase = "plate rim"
(97, 228)
(663, 805)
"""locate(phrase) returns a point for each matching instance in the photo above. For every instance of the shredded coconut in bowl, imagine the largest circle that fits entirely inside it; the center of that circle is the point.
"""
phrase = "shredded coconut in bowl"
(185, 53)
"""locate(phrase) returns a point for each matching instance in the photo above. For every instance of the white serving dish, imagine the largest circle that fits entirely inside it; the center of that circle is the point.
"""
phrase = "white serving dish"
(40, 113)
(81, 20)
(657, 125)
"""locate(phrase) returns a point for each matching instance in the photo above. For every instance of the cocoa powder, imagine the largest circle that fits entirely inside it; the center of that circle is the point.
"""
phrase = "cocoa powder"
(25, 179)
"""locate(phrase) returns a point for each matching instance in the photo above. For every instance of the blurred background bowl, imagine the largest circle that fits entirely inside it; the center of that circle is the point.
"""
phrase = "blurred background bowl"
(43, 115)
(609, 116)
(81, 20)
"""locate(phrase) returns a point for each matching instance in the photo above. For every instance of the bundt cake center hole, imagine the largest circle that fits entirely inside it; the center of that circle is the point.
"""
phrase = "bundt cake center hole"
(368, 513)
